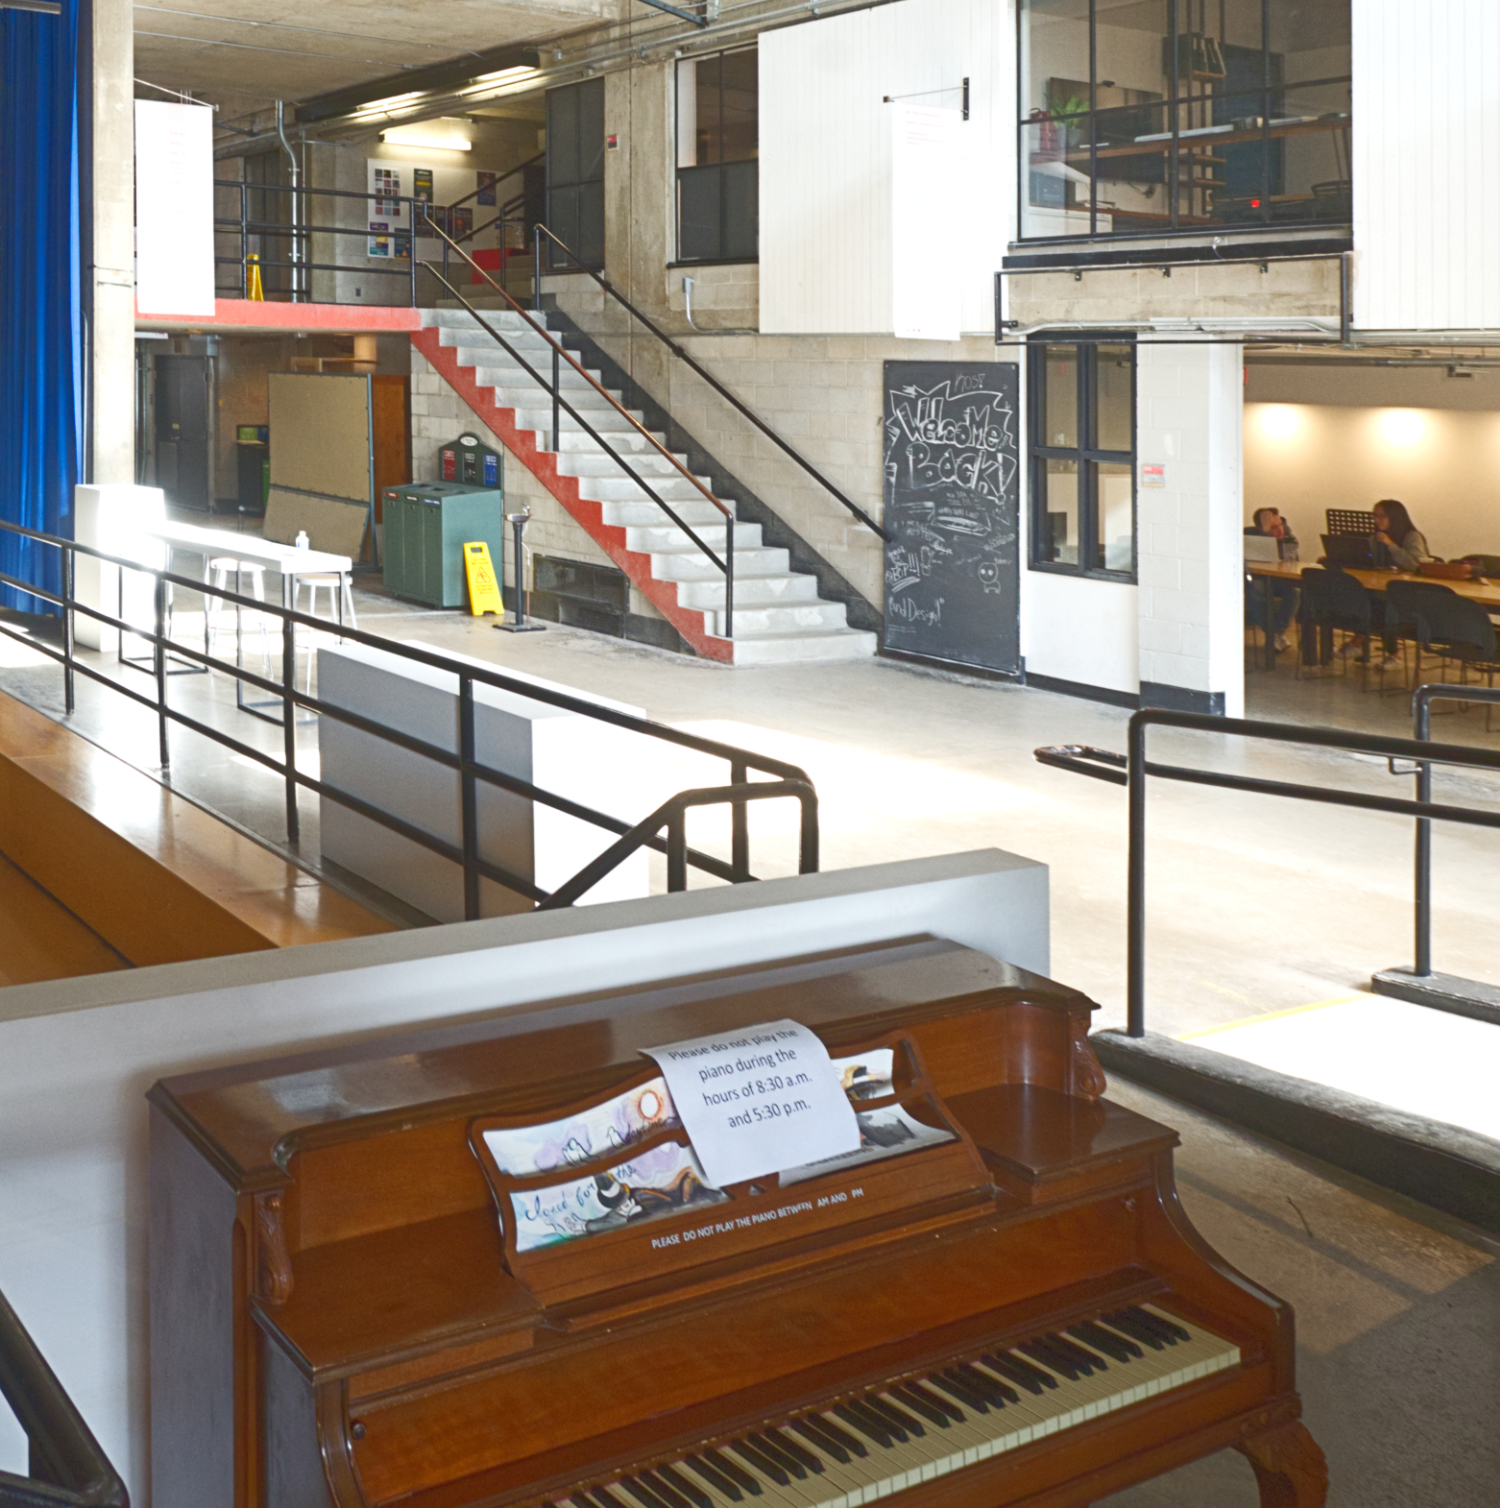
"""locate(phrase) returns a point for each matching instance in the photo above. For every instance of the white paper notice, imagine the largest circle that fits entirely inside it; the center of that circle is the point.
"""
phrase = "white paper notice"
(927, 189)
(757, 1100)
(174, 208)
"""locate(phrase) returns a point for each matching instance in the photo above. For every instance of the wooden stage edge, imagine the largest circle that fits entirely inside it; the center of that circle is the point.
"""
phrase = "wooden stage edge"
(155, 877)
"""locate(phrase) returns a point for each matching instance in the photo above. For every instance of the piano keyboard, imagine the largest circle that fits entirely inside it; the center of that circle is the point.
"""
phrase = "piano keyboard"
(871, 1444)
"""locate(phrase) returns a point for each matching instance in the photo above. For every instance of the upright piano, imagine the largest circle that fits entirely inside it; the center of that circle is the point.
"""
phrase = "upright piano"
(477, 1267)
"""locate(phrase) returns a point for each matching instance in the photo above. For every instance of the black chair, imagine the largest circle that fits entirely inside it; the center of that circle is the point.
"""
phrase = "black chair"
(1401, 615)
(1457, 629)
(1330, 601)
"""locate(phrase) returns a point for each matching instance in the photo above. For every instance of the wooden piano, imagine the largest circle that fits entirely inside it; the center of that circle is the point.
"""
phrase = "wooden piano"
(357, 1297)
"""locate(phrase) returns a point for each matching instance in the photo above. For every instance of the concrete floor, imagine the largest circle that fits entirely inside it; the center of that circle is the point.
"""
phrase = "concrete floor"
(1398, 1323)
(1256, 906)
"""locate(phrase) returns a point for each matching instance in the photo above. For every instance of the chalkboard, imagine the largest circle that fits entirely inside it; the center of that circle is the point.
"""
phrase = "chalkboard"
(951, 566)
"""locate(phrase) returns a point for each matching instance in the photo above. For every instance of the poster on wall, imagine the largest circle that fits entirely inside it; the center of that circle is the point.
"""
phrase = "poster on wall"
(380, 240)
(926, 191)
(174, 208)
(486, 193)
(951, 460)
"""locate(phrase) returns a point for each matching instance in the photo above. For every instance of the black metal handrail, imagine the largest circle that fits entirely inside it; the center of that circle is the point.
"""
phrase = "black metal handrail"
(559, 403)
(1421, 718)
(789, 780)
(1131, 770)
(66, 1466)
(699, 370)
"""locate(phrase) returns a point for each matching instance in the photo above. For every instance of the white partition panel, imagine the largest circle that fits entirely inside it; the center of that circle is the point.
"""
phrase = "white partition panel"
(825, 158)
(1426, 144)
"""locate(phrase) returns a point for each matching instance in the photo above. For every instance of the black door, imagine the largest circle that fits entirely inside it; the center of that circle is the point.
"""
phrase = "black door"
(182, 459)
(952, 570)
(575, 173)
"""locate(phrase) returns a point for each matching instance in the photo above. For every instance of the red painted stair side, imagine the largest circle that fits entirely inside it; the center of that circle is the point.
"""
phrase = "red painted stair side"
(542, 464)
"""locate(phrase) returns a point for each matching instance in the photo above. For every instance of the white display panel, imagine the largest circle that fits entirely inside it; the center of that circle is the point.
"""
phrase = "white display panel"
(926, 181)
(174, 208)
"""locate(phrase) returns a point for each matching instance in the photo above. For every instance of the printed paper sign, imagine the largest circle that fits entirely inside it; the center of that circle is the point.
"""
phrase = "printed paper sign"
(759, 1099)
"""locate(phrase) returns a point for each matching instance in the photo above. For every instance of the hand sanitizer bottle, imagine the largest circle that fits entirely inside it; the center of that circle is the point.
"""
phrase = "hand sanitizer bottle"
(303, 543)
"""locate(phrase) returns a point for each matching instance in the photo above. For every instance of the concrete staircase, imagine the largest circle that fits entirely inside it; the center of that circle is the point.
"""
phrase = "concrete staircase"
(778, 616)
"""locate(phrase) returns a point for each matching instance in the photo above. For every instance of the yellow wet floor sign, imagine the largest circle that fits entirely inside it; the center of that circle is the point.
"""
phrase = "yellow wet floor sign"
(484, 589)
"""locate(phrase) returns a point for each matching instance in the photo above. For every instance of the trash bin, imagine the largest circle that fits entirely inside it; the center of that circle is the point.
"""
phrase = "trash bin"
(252, 466)
(468, 459)
(426, 526)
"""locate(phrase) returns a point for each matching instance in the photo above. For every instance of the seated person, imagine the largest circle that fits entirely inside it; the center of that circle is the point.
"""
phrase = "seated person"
(1406, 547)
(1268, 521)
(1404, 543)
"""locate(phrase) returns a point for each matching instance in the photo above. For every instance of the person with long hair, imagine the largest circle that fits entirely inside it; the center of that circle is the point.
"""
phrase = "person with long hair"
(1404, 542)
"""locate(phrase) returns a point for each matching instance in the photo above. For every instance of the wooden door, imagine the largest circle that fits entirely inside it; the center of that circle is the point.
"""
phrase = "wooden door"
(390, 404)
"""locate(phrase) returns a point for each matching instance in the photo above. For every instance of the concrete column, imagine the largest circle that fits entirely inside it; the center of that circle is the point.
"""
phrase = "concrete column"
(113, 272)
(111, 462)
(1188, 526)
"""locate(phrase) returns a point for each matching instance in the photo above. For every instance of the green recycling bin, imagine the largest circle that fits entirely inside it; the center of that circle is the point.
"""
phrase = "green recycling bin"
(425, 528)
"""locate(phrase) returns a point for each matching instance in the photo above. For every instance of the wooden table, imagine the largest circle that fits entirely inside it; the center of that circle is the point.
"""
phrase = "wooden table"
(1483, 591)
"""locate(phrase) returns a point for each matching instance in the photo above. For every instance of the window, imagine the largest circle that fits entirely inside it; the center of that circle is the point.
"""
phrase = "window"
(575, 173)
(1150, 116)
(718, 141)
(1083, 457)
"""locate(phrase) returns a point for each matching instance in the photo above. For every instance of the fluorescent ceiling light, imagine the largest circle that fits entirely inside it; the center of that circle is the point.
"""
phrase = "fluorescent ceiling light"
(428, 143)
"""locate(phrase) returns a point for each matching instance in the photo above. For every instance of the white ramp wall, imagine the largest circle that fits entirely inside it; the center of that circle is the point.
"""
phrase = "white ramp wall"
(825, 158)
(1426, 148)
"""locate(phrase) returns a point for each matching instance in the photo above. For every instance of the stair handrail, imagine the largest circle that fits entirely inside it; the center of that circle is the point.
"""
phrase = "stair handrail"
(499, 179)
(566, 355)
(725, 564)
(68, 1469)
(734, 402)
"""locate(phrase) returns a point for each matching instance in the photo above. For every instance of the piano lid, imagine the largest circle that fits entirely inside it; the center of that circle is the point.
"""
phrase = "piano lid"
(247, 1118)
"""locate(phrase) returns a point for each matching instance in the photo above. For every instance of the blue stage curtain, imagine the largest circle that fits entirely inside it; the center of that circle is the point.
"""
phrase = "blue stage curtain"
(41, 290)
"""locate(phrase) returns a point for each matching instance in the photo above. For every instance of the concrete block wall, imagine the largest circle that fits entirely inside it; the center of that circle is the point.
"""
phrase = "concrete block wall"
(1190, 600)
(438, 414)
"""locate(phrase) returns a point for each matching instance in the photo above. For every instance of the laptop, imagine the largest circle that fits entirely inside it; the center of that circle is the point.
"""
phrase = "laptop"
(1355, 552)
(1262, 547)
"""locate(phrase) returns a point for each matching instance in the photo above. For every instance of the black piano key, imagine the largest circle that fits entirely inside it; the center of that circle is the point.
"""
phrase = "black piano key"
(581, 1500)
(1173, 1331)
(603, 1498)
(1125, 1322)
(821, 1424)
(964, 1394)
(1104, 1340)
(895, 1414)
(663, 1489)
(1040, 1351)
(905, 1394)
(641, 1493)
(880, 1418)
(1020, 1372)
(783, 1438)
(684, 1488)
(715, 1479)
(866, 1427)
(733, 1470)
(773, 1450)
(987, 1387)
(759, 1462)
(1081, 1354)
(826, 1443)
(934, 1399)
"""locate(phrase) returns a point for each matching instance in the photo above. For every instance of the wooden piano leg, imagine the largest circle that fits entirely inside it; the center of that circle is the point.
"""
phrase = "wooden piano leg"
(1289, 1466)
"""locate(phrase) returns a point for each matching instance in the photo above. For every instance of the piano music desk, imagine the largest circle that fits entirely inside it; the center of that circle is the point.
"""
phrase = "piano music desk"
(334, 1320)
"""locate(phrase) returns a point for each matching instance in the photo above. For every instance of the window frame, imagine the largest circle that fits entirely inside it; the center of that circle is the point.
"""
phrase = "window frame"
(1088, 456)
(721, 260)
(1175, 231)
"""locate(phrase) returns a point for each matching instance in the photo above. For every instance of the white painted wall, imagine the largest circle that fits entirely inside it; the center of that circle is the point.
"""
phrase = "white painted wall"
(77, 1057)
(1426, 143)
(825, 178)
(1189, 420)
(1079, 630)
(1444, 464)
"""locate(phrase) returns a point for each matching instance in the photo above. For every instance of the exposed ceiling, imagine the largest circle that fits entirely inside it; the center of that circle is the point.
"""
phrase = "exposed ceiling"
(294, 49)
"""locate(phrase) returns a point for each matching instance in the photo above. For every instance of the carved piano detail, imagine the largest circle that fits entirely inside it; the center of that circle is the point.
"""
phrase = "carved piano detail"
(386, 1294)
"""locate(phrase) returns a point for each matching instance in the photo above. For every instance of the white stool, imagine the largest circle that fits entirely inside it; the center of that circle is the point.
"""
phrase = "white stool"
(340, 604)
(221, 568)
